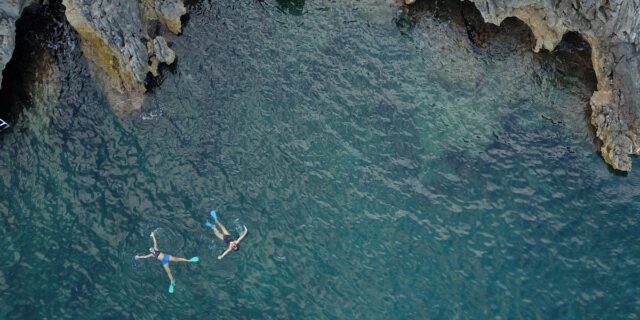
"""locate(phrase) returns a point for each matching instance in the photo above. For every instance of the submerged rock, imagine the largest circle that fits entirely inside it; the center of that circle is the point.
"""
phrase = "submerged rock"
(612, 29)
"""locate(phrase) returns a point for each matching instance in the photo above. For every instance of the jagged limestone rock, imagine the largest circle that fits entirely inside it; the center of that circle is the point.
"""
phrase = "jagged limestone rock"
(114, 37)
(612, 28)
(162, 51)
(169, 12)
(10, 11)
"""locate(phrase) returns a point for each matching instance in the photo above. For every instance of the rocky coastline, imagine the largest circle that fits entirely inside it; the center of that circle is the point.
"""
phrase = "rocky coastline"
(125, 43)
(612, 29)
(10, 11)
(122, 40)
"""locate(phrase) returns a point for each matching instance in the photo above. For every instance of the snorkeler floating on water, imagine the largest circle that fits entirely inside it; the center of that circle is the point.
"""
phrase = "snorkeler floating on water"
(232, 244)
(165, 258)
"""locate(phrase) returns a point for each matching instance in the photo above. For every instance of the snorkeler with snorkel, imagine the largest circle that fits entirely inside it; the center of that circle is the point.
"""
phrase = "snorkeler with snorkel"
(223, 234)
(165, 258)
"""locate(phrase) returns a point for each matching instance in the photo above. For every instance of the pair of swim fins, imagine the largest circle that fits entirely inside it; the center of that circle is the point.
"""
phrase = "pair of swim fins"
(214, 216)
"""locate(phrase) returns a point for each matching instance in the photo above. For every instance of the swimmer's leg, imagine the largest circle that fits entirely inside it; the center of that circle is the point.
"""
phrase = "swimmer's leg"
(173, 281)
(179, 259)
(168, 270)
(224, 230)
(217, 233)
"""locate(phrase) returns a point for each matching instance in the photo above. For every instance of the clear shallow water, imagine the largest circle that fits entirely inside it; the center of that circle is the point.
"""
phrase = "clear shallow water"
(384, 169)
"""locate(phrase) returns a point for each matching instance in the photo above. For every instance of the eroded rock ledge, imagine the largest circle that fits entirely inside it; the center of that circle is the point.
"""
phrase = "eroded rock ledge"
(121, 38)
(117, 36)
(612, 28)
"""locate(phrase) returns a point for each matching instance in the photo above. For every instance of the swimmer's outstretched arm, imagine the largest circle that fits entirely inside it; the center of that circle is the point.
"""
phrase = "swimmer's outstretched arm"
(155, 244)
(144, 257)
(224, 254)
(220, 257)
(243, 234)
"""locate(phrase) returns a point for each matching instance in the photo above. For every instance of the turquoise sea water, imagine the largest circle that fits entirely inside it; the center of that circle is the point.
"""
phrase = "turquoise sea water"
(385, 166)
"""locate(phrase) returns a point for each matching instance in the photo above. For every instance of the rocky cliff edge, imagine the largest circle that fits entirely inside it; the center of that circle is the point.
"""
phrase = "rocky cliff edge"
(612, 28)
(119, 37)
(122, 39)
(10, 11)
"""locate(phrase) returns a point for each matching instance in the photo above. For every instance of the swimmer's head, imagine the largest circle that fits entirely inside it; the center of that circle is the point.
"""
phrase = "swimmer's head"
(151, 250)
(235, 246)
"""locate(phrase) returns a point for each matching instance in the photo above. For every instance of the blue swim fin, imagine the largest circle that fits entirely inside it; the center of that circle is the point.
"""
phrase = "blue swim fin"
(208, 224)
(194, 259)
(172, 286)
(214, 215)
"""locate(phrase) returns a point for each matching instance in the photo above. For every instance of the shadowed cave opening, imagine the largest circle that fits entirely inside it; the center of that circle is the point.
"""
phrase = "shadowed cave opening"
(40, 31)
(573, 53)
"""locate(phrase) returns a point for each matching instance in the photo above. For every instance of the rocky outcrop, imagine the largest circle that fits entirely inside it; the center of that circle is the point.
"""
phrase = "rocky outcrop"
(120, 38)
(10, 11)
(162, 53)
(114, 36)
(33, 75)
(612, 28)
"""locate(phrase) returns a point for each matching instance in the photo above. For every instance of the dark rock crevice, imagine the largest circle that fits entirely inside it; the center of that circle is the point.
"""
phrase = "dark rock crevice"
(31, 73)
(112, 35)
(573, 51)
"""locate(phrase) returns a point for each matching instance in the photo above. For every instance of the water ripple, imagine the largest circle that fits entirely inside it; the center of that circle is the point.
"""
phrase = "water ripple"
(384, 171)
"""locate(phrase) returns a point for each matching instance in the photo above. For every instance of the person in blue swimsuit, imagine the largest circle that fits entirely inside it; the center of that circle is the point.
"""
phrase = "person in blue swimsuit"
(165, 258)
(231, 243)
